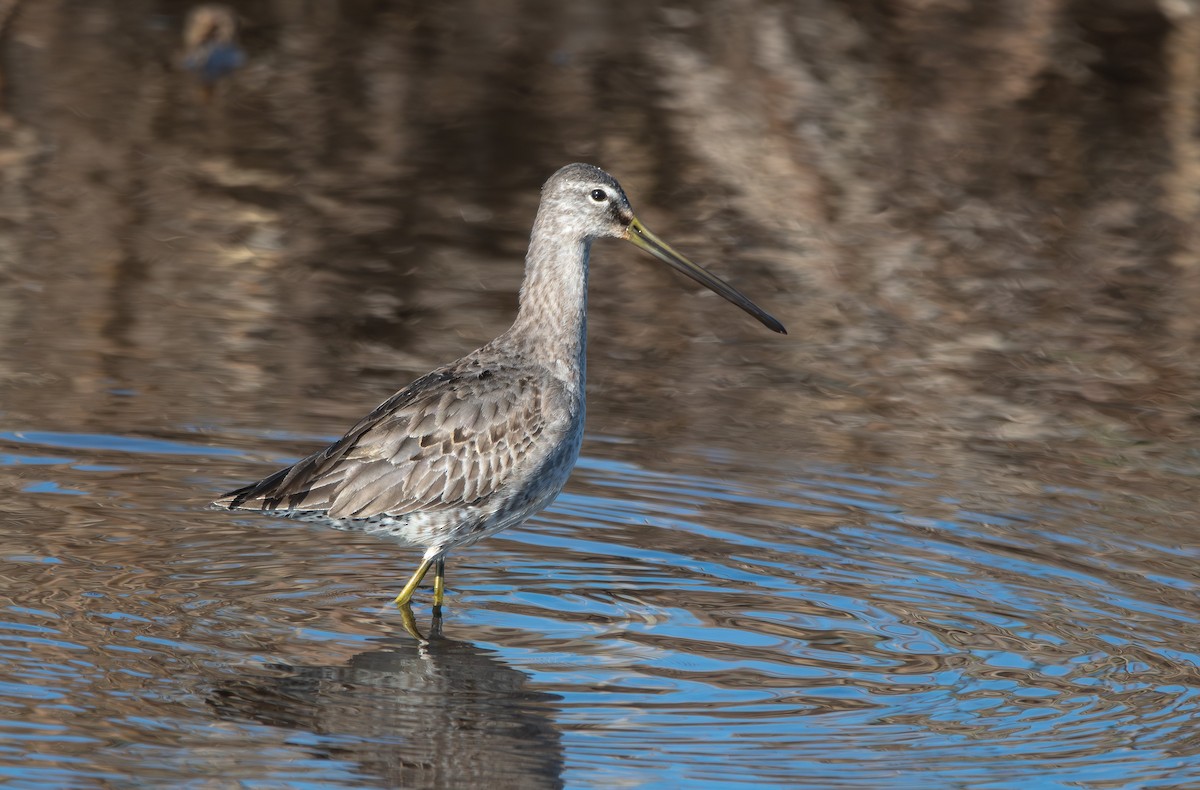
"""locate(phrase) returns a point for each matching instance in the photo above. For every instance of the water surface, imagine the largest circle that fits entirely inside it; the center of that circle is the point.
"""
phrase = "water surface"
(942, 534)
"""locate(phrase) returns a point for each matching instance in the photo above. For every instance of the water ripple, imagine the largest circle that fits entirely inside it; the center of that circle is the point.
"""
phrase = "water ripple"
(669, 627)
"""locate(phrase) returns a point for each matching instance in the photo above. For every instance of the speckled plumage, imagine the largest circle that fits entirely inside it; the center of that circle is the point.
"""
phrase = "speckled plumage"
(482, 443)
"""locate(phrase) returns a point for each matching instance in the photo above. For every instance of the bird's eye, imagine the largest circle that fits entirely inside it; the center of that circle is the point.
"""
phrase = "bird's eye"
(599, 195)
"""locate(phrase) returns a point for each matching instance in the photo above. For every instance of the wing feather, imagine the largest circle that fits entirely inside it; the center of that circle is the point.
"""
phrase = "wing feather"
(451, 439)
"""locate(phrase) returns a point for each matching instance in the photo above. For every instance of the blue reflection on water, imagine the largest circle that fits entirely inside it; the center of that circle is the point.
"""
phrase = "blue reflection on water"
(808, 627)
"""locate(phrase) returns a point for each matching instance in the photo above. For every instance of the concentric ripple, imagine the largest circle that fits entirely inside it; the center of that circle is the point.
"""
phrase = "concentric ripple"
(809, 626)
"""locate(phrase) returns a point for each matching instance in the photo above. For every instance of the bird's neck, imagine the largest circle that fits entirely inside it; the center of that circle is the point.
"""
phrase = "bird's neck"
(551, 324)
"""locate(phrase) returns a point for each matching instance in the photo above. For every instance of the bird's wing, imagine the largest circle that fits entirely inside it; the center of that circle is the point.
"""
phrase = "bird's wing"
(448, 440)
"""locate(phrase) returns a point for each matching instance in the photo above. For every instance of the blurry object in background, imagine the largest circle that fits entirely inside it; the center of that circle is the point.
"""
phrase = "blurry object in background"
(211, 49)
(7, 9)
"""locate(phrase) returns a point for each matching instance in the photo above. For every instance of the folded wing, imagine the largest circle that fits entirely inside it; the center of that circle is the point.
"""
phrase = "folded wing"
(449, 440)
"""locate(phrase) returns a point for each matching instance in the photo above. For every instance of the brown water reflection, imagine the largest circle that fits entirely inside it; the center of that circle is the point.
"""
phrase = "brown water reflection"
(948, 521)
(352, 206)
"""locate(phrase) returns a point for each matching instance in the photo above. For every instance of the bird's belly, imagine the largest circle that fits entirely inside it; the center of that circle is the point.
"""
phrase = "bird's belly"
(441, 530)
(423, 528)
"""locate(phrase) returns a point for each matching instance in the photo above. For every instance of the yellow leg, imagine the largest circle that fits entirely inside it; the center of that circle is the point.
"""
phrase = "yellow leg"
(439, 583)
(407, 593)
(410, 623)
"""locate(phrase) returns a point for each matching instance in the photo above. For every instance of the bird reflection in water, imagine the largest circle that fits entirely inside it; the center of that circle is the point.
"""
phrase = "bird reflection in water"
(432, 713)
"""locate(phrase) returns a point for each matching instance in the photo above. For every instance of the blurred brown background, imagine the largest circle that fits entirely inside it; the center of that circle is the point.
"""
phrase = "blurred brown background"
(976, 219)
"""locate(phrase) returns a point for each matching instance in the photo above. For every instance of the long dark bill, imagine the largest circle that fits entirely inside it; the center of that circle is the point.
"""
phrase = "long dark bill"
(652, 244)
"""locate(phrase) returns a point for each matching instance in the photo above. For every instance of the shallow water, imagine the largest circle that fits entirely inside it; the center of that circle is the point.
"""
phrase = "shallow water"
(804, 625)
(948, 547)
